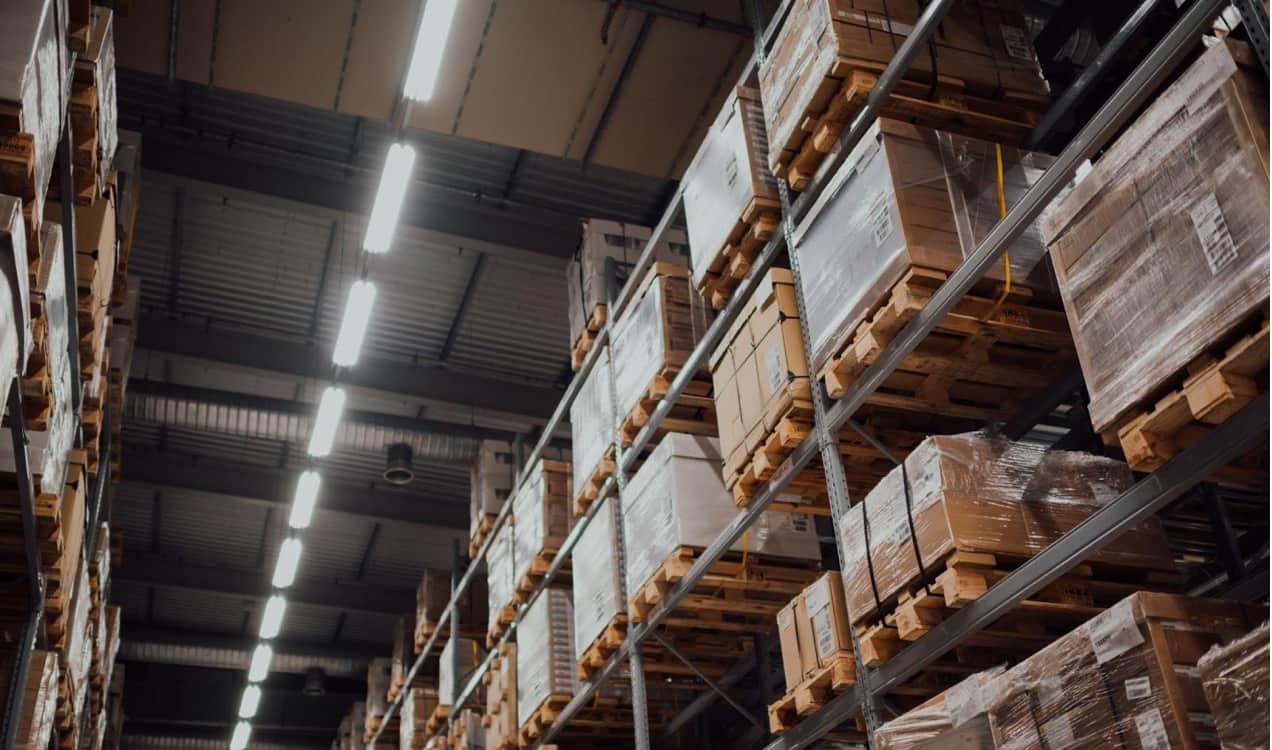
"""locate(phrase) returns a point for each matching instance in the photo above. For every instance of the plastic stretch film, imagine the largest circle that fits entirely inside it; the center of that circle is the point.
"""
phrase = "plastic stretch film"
(39, 702)
(592, 423)
(34, 74)
(1235, 679)
(1126, 679)
(598, 589)
(677, 499)
(957, 718)
(622, 243)
(545, 659)
(499, 574)
(729, 173)
(100, 57)
(657, 332)
(490, 480)
(15, 314)
(1161, 248)
(906, 196)
(542, 510)
(973, 493)
(78, 658)
(379, 674)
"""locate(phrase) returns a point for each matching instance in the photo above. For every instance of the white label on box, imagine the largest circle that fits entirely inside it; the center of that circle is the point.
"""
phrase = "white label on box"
(1059, 733)
(817, 599)
(776, 371)
(1138, 688)
(784, 618)
(881, 221)
(1114, 632)
(1017, 42)
(1152, 730)
(1212, 231)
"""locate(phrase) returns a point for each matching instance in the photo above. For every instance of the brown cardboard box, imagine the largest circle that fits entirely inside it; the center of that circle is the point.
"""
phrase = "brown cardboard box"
(828, 615)
(954, 719)
(1235, 679)
(788, 638)
(804, 628)
(1161, 249)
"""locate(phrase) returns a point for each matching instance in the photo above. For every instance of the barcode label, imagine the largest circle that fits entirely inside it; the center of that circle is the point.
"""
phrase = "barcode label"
(1212, 231)
(1138, 688)
(776, 371)
(1114, 632)
(1152, 730)
(1017, 42)
(824, 632)
(881, 221)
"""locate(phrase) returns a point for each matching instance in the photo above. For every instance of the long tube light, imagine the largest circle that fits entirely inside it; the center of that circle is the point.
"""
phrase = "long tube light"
(353, 327)
(242, 733)
(306, 497)
(330, 408)
(250, 702)
(261, 659)
(272, 620)
(430, 46)
(288, 561)
(398, 165)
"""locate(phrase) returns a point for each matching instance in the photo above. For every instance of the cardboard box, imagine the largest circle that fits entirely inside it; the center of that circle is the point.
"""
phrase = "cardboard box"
(593, 426)
(828, 618)
(788, 638)
(549, 667)
(1161, 249)
(954, 719)
(456, 663)
(598, 589)
(490, 480)
(906, 197)
(542, 512)
(807, 640)
(1235, 679)
(499, 575)
(611, 240)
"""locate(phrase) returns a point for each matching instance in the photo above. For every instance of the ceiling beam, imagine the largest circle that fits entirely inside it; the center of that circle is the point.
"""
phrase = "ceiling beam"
(157, 645)
(161, 334)
(159, 736)
(163, 571)
(274, 487)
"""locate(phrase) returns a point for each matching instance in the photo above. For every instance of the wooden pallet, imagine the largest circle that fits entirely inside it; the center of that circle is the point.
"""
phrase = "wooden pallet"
(371, 727)
(968, 366)
(1214, 387)
(424, 631)
(1007, 118)
(507, 613)
(437, 720)
(603, 646)
(694, 411)
(965, 576)
(788, 421)
(541, 718)
(590, 490)
(736, 595)
(601, 720)
(478, 537)
(537, 569)
(813, 693)
(587, 337)
(761, 218)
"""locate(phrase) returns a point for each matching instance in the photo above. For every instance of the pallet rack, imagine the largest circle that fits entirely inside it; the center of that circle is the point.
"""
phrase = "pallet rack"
(33, 633)
(1143, 499)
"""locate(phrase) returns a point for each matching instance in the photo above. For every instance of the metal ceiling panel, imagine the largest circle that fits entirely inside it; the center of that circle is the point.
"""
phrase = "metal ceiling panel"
(200, 610)
(368, 627)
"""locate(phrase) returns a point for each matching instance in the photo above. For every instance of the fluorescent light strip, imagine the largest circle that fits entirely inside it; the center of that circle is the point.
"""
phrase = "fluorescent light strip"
(430, 45)
(329, 410)
(353, 327)
(398, 165)
(306, 497)
(261, 659)
(250, 702)
(242, 733)
(288, 561)
(272, 620)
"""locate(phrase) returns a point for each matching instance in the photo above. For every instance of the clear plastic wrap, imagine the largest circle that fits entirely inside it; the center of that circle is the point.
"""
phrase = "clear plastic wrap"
(956, 718)
(16, 258)
(545, 659)
(491, 479)
(598, 589)
(379, 674)
(730, 171)
(499, 574)
(418, 704)
(34, 74)
(100, 56)
(677, 499)
(603, 239)
(39, 702)
(79, 642)
(468, 654)
(592, 422)
(542, 512)
(1235, 679)
(1127, 679)
(905, 196)
(973, 493)
(501, 699)
(1161, 248)
(658, 331)
(985, 45)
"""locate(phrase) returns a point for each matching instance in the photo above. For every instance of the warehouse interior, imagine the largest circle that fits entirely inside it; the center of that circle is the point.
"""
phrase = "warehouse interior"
(262, 134)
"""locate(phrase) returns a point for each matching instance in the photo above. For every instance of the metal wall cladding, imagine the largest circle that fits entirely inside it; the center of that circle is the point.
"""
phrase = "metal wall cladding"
(160, 742)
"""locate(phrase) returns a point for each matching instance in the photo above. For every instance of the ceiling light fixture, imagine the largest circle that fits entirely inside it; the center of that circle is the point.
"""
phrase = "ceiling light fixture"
(306, 497)
(272, 620)
(430, 45)
(398, 165)
(242, 733)
(288, 561)
(353, 327)
(250, 702)
(329, 410)
(261, 659)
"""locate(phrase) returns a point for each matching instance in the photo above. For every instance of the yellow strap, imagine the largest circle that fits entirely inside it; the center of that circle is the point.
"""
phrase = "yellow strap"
(1002, 212)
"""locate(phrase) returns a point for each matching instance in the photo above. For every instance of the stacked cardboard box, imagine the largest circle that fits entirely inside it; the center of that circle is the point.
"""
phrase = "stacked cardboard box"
(15, 259)
(1235, 679)
(963, 495)
(93, 109)
(418, 705)
(466, 732)
(828, 52)
(813, 630)
(490, 482)
(1162, 254)
(541, 509)
(593, 427)
(599, 597)
(501, 700)
(432, 596)
(39, 698)
(500, 582)
(546, 670)
(608, 243)
(379, 676)
(731, 200)
(456, 663)
(955, 718)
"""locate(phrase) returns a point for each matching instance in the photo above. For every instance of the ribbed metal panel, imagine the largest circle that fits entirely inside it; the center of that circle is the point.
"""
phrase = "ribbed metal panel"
(401, 554)
(158, 742)
(334, 546)
(236, 658)
(208, 530)
(200, 610)
(368, 627)
(308, 623)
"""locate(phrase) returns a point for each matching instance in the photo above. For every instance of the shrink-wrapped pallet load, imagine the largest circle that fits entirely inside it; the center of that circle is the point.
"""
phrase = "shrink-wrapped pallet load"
(456, 663)
(1235, 679)
(501, 700)
(501, 584)
(593, 428)
(971, 494)
(545, 660)
(1161, 248)
(379, 677)
(957, 718)
(432, 597)
(93, 104)
(731, 200)
(418, 704)
(541, 509)
(603, 242)
(599, 598)
(15, 305)
(39, 699)
(490, 482)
